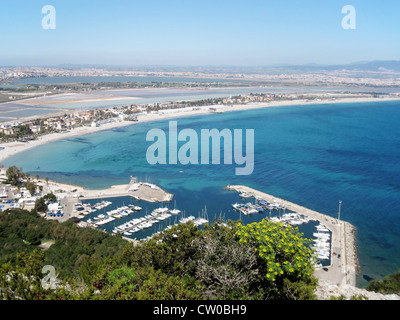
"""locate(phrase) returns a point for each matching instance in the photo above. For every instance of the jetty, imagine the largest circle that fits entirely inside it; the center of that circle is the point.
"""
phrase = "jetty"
(138, 190)
(344, 262)
(71, 195)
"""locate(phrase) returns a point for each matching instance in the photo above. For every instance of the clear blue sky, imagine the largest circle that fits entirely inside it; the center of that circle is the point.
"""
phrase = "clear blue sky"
(190, 32)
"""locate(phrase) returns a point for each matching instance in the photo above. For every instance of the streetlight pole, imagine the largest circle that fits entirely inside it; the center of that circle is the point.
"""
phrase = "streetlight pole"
(340, 205)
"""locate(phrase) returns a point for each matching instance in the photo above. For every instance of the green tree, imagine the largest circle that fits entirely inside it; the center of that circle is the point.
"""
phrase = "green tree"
(159, 286)
(173, 251)
(388, 285)
(40, 205)
(217, 262)
(226, 268)
(285, 255)
(14, 175)
(31, 187)
(50, 197)
(32, 237)
(22, 278)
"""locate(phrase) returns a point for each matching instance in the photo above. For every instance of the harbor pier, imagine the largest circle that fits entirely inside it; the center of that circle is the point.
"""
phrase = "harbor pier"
(344, 262)
(138, 190)
(70, 195)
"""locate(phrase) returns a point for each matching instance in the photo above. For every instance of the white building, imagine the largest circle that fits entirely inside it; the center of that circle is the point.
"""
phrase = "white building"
(55, 206)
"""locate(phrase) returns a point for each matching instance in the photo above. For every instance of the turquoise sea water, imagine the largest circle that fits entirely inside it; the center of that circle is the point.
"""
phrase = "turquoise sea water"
(312, 155)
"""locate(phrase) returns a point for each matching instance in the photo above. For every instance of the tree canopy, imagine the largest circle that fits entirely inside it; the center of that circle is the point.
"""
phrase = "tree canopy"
(14, 175)
(221, 261)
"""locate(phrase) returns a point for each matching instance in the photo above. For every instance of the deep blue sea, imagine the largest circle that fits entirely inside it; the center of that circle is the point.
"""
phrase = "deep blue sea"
(312, 155)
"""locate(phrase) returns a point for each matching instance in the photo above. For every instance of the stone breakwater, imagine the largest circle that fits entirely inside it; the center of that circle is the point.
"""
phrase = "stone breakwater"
(351, 247)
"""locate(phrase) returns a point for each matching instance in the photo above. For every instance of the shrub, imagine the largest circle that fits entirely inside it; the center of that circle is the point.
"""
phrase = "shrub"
(284, 254)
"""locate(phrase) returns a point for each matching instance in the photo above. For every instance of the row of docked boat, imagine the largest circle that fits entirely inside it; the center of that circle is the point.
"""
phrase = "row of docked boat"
(188, 219)
(200, 221)
(118, 213)
(150, 185)
(100, 220)
(87, 208)
(102, 205)
(245, 195)
(145, 222)
(123, 211)
(158, 215)
(247, 208)
(196, 221)
(133, 226)
(322, 243)
(259, 206)
(293, 218)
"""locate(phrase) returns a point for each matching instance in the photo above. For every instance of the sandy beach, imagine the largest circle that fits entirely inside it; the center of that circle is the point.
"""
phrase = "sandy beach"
(13, 148)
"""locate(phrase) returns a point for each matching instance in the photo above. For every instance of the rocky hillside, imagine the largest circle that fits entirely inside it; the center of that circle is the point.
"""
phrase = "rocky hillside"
(326, 290)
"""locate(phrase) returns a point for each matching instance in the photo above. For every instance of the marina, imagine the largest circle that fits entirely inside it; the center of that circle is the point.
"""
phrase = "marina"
(110, 216)
(137, 222)
(277, 214)
(135, 225)
(333, 240)
(139, 190)
(142, 222)
(131, 220)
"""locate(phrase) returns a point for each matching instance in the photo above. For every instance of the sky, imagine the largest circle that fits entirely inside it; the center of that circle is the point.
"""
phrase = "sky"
(194, 33)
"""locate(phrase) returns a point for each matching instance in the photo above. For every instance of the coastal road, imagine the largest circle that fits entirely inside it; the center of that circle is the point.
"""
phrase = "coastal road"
(69, 206)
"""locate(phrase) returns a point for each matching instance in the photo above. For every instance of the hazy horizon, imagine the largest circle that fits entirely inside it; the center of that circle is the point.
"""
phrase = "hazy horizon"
(189, 66)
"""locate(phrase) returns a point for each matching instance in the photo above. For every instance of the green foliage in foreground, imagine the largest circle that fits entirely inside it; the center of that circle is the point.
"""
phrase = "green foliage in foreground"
(389, 285)
(284, 254)
(218, 263)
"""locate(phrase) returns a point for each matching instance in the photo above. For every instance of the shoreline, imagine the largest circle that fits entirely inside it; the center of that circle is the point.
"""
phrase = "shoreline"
(346, 231)
(70, 194)
(13, 148)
